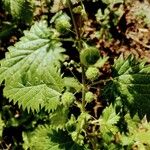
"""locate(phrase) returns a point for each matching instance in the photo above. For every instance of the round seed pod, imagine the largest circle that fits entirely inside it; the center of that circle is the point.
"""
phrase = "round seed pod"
(92, 73)
(89, 97)
(62, 23)
(67, 98)
(89, 56)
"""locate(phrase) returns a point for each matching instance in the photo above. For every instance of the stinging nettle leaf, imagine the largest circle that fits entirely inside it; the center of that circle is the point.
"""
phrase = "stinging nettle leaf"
(36, 93)
(72, 83)
(20, 9)
(45, 138)
(101, 61)
(35, 52)
(108, 120)
(57, 121)
(131, 82)
(138, 131)
(30, 69)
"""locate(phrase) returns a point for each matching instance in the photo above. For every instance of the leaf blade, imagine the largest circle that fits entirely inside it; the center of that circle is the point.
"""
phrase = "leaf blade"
(131, 82)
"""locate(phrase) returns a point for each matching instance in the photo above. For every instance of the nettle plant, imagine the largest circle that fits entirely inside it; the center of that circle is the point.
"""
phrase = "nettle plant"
(40, 74)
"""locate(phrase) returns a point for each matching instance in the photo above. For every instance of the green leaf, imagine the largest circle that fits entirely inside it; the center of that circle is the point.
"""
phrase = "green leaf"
(71, 124)
(127, 140)
(143, 137)
(35, 52)
(57, 121)
(82, 121)
(45, 138)
(139, 131)
(20, 9)
(142, 132)
(6, 30)
(103, 17)
(131, 82)
(72, 83)
(108, 120)
(101, 61)
(132, 122)
(36, 92)
(81, 126)
(30, 69)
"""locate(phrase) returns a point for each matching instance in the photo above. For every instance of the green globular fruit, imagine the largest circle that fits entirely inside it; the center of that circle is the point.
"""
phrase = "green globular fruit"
(92, 73)
(67, 98)
(62, 23)
(89, 56)
(89, 97)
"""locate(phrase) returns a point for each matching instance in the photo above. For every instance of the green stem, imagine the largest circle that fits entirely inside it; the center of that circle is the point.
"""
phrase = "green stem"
(99, 82)
(64, 40)
(73, 20)
(79, 47)
(83, 89)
